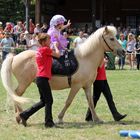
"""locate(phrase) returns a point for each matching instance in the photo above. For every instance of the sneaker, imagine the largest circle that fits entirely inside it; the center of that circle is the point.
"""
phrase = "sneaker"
(23, 122)
(120, 117)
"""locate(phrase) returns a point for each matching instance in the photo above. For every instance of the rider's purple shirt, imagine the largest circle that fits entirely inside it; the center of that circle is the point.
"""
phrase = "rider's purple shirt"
(57, 37)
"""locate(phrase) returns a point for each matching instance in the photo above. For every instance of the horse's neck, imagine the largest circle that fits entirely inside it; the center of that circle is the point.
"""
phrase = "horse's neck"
(89, 47)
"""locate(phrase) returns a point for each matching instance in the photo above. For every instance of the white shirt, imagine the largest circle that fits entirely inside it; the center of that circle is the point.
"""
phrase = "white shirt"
(78, 41)
(35, 44)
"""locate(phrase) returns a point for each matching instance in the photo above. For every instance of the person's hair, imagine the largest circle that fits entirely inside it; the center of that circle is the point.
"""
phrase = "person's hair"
(43, 37)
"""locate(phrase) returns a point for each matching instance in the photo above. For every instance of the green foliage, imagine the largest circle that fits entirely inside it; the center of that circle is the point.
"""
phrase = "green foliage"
(13, 10)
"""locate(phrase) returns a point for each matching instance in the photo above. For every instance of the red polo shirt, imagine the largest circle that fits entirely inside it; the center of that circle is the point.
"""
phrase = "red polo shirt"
(101, 74)
(44, 62)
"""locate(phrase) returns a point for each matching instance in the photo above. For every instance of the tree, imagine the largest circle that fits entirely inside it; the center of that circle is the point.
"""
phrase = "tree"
(14, 10)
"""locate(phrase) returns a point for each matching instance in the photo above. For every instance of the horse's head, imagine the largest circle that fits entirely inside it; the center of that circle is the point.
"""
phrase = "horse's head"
(111, 44)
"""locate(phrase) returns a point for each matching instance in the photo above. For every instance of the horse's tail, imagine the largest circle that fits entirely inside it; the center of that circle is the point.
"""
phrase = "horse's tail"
(6, 76)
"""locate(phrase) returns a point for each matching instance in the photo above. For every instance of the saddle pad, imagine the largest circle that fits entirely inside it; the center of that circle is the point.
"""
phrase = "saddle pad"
(66, 65)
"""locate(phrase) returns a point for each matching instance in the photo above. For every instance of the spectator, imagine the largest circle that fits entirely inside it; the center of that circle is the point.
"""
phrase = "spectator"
(69, 40)
(7, 43)
(31, 26)
(131, 49)
(138, 52)
(37, 29)
(33, 43)
(44, 28)
(123, 43)
(8, 28)
(79, 40)
(21, 42)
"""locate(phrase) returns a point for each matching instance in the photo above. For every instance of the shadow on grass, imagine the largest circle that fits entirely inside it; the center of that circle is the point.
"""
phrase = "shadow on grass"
(83, 125)
(131, 122)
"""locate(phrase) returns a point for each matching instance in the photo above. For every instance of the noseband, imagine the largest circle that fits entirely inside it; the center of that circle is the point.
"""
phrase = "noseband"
(107, 44)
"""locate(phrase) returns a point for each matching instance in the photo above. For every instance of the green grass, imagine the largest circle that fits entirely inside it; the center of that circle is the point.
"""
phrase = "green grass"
(125, 86)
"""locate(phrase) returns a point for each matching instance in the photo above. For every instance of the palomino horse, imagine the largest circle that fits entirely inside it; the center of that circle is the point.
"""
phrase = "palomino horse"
(89, 56)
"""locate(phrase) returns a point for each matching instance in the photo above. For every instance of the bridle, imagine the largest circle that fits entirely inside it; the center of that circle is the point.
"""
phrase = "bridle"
(107, 44)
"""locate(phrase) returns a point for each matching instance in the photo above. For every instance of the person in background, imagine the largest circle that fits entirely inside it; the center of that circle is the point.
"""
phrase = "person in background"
(44, 28)
(44, 63)
(31, 26)
(33, 43)
(69, 40)
(56, 26)
(1, 33)
(8, 28)
(101, 86)
(21, 42)
(37, 29)
(131, 42)
(138, 52)
(7, 43)
(79, 40)
(123, 43)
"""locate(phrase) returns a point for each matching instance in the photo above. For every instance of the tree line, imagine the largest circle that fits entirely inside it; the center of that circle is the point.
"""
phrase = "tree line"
(14, 10)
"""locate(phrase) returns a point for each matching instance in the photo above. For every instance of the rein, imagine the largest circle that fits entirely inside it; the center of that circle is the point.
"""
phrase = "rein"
(107, 43)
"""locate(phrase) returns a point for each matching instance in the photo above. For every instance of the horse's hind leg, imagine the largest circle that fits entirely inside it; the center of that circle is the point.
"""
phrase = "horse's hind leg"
(19, 91)
(69, 100)
(91, 104)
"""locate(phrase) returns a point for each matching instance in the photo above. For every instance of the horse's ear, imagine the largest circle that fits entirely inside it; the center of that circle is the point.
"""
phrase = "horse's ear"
(106, 30)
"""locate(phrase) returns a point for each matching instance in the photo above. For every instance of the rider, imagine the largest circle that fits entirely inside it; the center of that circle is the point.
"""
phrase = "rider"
(56, 26)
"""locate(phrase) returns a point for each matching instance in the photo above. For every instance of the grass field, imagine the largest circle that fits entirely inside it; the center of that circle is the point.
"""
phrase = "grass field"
(125, 86)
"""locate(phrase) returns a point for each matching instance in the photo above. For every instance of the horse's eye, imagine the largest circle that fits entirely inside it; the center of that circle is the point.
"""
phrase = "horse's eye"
(112, 39)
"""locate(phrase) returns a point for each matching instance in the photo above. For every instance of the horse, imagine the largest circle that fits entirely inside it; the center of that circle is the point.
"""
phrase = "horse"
(89, 56)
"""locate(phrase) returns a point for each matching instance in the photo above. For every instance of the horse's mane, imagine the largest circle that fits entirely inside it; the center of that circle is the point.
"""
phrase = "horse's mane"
(93, 41)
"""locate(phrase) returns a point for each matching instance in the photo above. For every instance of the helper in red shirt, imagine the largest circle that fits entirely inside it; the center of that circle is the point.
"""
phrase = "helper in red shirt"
(44, 64)
(101, 86)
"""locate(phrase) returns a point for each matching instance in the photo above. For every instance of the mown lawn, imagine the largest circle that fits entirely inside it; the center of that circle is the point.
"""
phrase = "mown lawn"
(125, 86)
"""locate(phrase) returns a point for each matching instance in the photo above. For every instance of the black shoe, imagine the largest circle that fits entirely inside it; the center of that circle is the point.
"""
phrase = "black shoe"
(50, 124)
(88, 119)
(120, 117)
(23, 120)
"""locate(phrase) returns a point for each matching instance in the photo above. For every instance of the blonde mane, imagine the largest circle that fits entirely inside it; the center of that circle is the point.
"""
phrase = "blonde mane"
(93, 41)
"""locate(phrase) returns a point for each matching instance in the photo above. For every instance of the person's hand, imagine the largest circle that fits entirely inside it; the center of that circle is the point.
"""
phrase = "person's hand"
(68, 23)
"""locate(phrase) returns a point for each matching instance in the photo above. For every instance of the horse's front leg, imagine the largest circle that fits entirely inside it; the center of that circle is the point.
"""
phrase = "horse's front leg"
(72, 93)
(91, 104)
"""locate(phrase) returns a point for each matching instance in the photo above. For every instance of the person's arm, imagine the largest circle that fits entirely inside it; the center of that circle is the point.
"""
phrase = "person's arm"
(67, 25)
(56, 52)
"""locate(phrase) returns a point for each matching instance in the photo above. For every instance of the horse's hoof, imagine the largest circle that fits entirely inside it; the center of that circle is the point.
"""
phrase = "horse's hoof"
(18, 119)
(99, 121)
(60, 121)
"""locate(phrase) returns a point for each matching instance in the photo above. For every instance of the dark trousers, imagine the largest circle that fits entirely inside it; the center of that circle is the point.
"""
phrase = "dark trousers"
(101, 86)
(4, 54)
(46, 100)
(138, 61)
